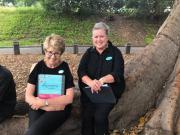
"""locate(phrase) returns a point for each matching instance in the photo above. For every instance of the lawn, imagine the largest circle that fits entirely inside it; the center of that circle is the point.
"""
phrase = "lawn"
(31, 25)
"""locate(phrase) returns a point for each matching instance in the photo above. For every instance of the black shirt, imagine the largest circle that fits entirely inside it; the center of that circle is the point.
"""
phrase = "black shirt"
(41, 68)
(97, 65)
(7, 92)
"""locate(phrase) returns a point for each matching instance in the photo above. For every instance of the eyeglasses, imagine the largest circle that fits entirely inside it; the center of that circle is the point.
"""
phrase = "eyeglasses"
(51, 53)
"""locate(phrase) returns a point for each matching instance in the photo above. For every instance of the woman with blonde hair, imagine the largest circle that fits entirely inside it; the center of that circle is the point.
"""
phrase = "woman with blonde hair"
(49, 111)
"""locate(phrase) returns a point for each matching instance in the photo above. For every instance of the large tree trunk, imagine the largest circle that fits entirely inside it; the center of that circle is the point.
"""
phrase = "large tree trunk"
(164, 119)
(146, 76)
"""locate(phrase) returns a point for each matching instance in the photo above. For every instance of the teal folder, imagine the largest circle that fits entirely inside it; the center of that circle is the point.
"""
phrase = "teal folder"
(50, 86)
(105, 95)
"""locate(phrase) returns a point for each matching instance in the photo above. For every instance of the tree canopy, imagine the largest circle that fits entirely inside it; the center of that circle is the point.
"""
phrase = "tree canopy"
(142, 8)
(137, 8)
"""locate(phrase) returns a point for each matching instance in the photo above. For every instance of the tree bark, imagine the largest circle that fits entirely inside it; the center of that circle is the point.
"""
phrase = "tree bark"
(147, 73)
(178, 127)
(164, 119)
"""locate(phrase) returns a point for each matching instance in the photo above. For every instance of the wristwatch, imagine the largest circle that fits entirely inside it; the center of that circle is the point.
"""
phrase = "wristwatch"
(46, 102)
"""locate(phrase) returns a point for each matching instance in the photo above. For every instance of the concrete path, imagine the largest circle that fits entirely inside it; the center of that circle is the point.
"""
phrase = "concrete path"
(70, 49)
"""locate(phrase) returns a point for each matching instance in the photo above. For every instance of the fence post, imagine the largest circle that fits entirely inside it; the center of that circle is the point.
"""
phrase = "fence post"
(42, 50)
(16, 47)
(75, 49)
(128, 48)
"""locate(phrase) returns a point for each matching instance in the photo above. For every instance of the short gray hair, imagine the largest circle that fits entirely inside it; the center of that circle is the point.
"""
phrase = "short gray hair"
(101, 25)
(54, 41)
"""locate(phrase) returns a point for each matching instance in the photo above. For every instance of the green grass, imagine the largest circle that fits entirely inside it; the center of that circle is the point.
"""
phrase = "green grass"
(149, 38)
(151, 30)
(30, 26)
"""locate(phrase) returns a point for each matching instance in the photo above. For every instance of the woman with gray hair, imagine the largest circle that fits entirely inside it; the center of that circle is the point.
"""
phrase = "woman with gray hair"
(49, 91)
(101, 67)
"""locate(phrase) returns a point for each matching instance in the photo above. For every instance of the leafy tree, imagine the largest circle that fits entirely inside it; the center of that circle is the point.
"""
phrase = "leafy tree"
(26, 2)
(149, 8)
(144, 8)
(80, 6)
(8, 1)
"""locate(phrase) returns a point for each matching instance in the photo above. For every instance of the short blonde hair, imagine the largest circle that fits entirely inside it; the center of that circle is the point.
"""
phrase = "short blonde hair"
(101, 25)
(54, 41)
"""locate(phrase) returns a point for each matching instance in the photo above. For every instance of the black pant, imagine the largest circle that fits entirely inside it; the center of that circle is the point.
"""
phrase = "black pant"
(95, 118)
(45, 123)
(6, 111)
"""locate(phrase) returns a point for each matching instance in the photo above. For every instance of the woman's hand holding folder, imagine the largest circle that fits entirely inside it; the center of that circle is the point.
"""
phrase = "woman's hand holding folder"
(95, 86)
(36, 103)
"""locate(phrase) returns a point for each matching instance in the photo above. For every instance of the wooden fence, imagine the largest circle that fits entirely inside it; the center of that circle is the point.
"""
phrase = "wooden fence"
(76, 47)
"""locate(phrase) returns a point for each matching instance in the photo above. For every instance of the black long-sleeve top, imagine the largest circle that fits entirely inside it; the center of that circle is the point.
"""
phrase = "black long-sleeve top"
(7, 92)
(97, 65)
